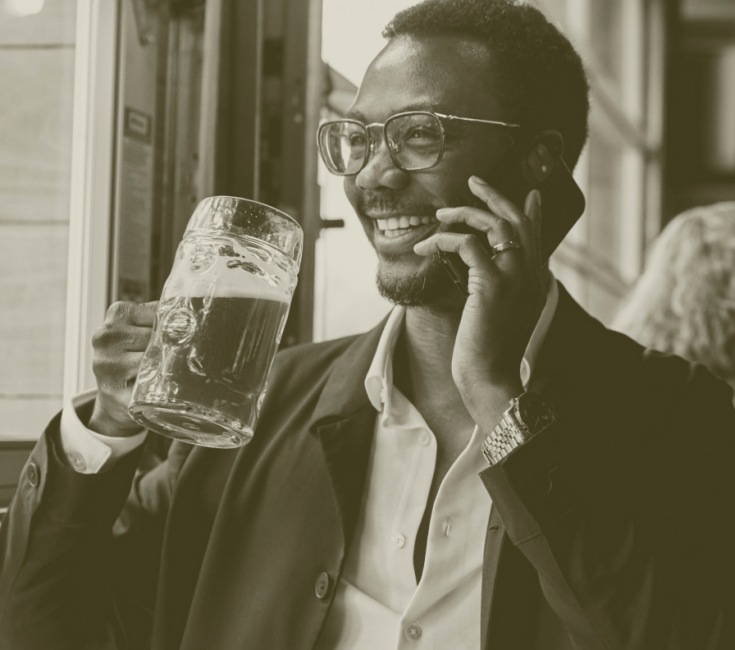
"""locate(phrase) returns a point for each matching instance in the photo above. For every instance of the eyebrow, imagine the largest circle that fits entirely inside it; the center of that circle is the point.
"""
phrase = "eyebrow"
(355, 115)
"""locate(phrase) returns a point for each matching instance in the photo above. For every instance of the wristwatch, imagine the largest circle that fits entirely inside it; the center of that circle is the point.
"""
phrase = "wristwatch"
(528, 415)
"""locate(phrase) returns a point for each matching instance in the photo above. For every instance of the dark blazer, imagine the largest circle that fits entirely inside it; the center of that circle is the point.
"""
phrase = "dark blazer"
(613, 529)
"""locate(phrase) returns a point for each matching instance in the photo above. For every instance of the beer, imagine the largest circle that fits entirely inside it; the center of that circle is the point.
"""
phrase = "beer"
(219, 323)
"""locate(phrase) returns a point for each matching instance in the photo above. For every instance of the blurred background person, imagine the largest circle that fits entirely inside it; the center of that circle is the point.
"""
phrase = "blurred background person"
(684, 302)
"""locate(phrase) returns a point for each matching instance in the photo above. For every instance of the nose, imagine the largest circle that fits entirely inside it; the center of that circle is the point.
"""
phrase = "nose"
(380, 170)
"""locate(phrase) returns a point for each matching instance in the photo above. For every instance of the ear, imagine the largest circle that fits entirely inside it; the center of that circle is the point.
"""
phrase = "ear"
(555, 139)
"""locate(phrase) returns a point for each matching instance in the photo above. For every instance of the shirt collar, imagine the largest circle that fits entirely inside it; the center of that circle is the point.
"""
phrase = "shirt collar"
(379, 378)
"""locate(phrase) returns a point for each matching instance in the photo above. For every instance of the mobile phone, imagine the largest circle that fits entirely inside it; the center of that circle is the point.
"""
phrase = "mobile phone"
(534, 161)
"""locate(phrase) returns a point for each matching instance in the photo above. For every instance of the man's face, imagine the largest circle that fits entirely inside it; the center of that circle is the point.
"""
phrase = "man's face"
(450, 75)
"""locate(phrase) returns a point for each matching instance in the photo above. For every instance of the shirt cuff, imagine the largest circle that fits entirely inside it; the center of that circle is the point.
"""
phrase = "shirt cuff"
(87, 451)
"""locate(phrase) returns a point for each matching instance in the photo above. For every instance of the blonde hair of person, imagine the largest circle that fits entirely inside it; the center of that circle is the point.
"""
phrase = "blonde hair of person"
(684, 302)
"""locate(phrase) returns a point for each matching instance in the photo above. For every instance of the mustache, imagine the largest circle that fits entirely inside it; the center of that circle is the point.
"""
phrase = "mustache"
(383, 202)
(394, 202)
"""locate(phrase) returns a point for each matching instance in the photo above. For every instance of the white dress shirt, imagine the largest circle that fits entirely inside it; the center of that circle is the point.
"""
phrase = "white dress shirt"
(378, 604)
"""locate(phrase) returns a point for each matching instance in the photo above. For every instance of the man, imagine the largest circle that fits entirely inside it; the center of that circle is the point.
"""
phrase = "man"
(602, 513)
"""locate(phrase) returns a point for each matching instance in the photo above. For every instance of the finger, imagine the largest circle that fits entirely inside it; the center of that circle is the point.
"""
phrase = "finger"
(497, 228)
(499, 204)
(504, 208)
(509, 260)
(133, 313)
(116, 374)
(469, 247)
(122, 338)
(136, 339)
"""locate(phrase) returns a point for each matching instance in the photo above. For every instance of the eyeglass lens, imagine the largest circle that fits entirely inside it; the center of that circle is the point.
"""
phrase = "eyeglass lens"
(415, 141)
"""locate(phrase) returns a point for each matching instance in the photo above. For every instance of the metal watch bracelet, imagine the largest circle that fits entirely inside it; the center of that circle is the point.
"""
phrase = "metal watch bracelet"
(513, 429)
(505, 437)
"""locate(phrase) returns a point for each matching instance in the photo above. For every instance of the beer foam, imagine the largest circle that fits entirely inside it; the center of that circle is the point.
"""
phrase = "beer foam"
(222, 282)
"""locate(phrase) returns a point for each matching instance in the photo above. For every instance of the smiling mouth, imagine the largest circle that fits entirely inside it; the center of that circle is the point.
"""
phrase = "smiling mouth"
(397, 226)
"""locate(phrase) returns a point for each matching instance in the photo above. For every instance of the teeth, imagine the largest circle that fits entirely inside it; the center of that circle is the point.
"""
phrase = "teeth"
(395, 223)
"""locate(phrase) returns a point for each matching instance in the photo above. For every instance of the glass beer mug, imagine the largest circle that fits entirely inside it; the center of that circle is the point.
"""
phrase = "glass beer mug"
(219, 322)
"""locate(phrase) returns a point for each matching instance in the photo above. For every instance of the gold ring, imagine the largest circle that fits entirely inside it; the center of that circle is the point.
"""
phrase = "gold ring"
(505, 246)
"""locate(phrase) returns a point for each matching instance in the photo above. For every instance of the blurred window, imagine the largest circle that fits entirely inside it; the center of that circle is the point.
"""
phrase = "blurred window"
(37, 48)
(346, 299)
(621, 43)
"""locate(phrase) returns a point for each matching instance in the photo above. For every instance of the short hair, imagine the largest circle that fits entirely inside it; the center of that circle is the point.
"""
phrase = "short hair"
(542, 79)
(684, 302)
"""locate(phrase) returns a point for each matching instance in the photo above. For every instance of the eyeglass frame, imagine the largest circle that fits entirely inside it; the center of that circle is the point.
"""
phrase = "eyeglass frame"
(371, 141)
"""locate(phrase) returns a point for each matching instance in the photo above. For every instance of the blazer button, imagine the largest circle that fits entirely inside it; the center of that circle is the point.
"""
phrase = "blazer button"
(323, 585)
(33, 474)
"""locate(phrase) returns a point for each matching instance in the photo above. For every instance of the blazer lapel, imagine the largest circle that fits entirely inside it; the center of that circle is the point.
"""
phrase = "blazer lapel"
(344, 422)
(346, 447)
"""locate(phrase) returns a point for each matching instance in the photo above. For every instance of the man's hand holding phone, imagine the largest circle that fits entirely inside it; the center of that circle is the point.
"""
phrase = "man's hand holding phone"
(507, 291)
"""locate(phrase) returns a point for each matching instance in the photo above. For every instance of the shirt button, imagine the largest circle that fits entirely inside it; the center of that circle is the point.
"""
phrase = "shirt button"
(77, 462)
(399, 540)
(322, 586)
(33, 474)
(424, 438)
(414, 631)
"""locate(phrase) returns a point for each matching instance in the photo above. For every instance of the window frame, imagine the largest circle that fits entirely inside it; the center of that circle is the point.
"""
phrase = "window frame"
(93, 125)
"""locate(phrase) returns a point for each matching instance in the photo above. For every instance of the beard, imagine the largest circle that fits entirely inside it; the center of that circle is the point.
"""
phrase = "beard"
(430, 287)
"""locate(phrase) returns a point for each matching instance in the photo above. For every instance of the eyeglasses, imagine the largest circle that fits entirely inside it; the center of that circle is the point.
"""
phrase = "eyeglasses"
(415, 141)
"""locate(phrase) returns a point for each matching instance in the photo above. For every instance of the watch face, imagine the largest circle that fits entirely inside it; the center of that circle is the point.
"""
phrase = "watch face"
(534, 412)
